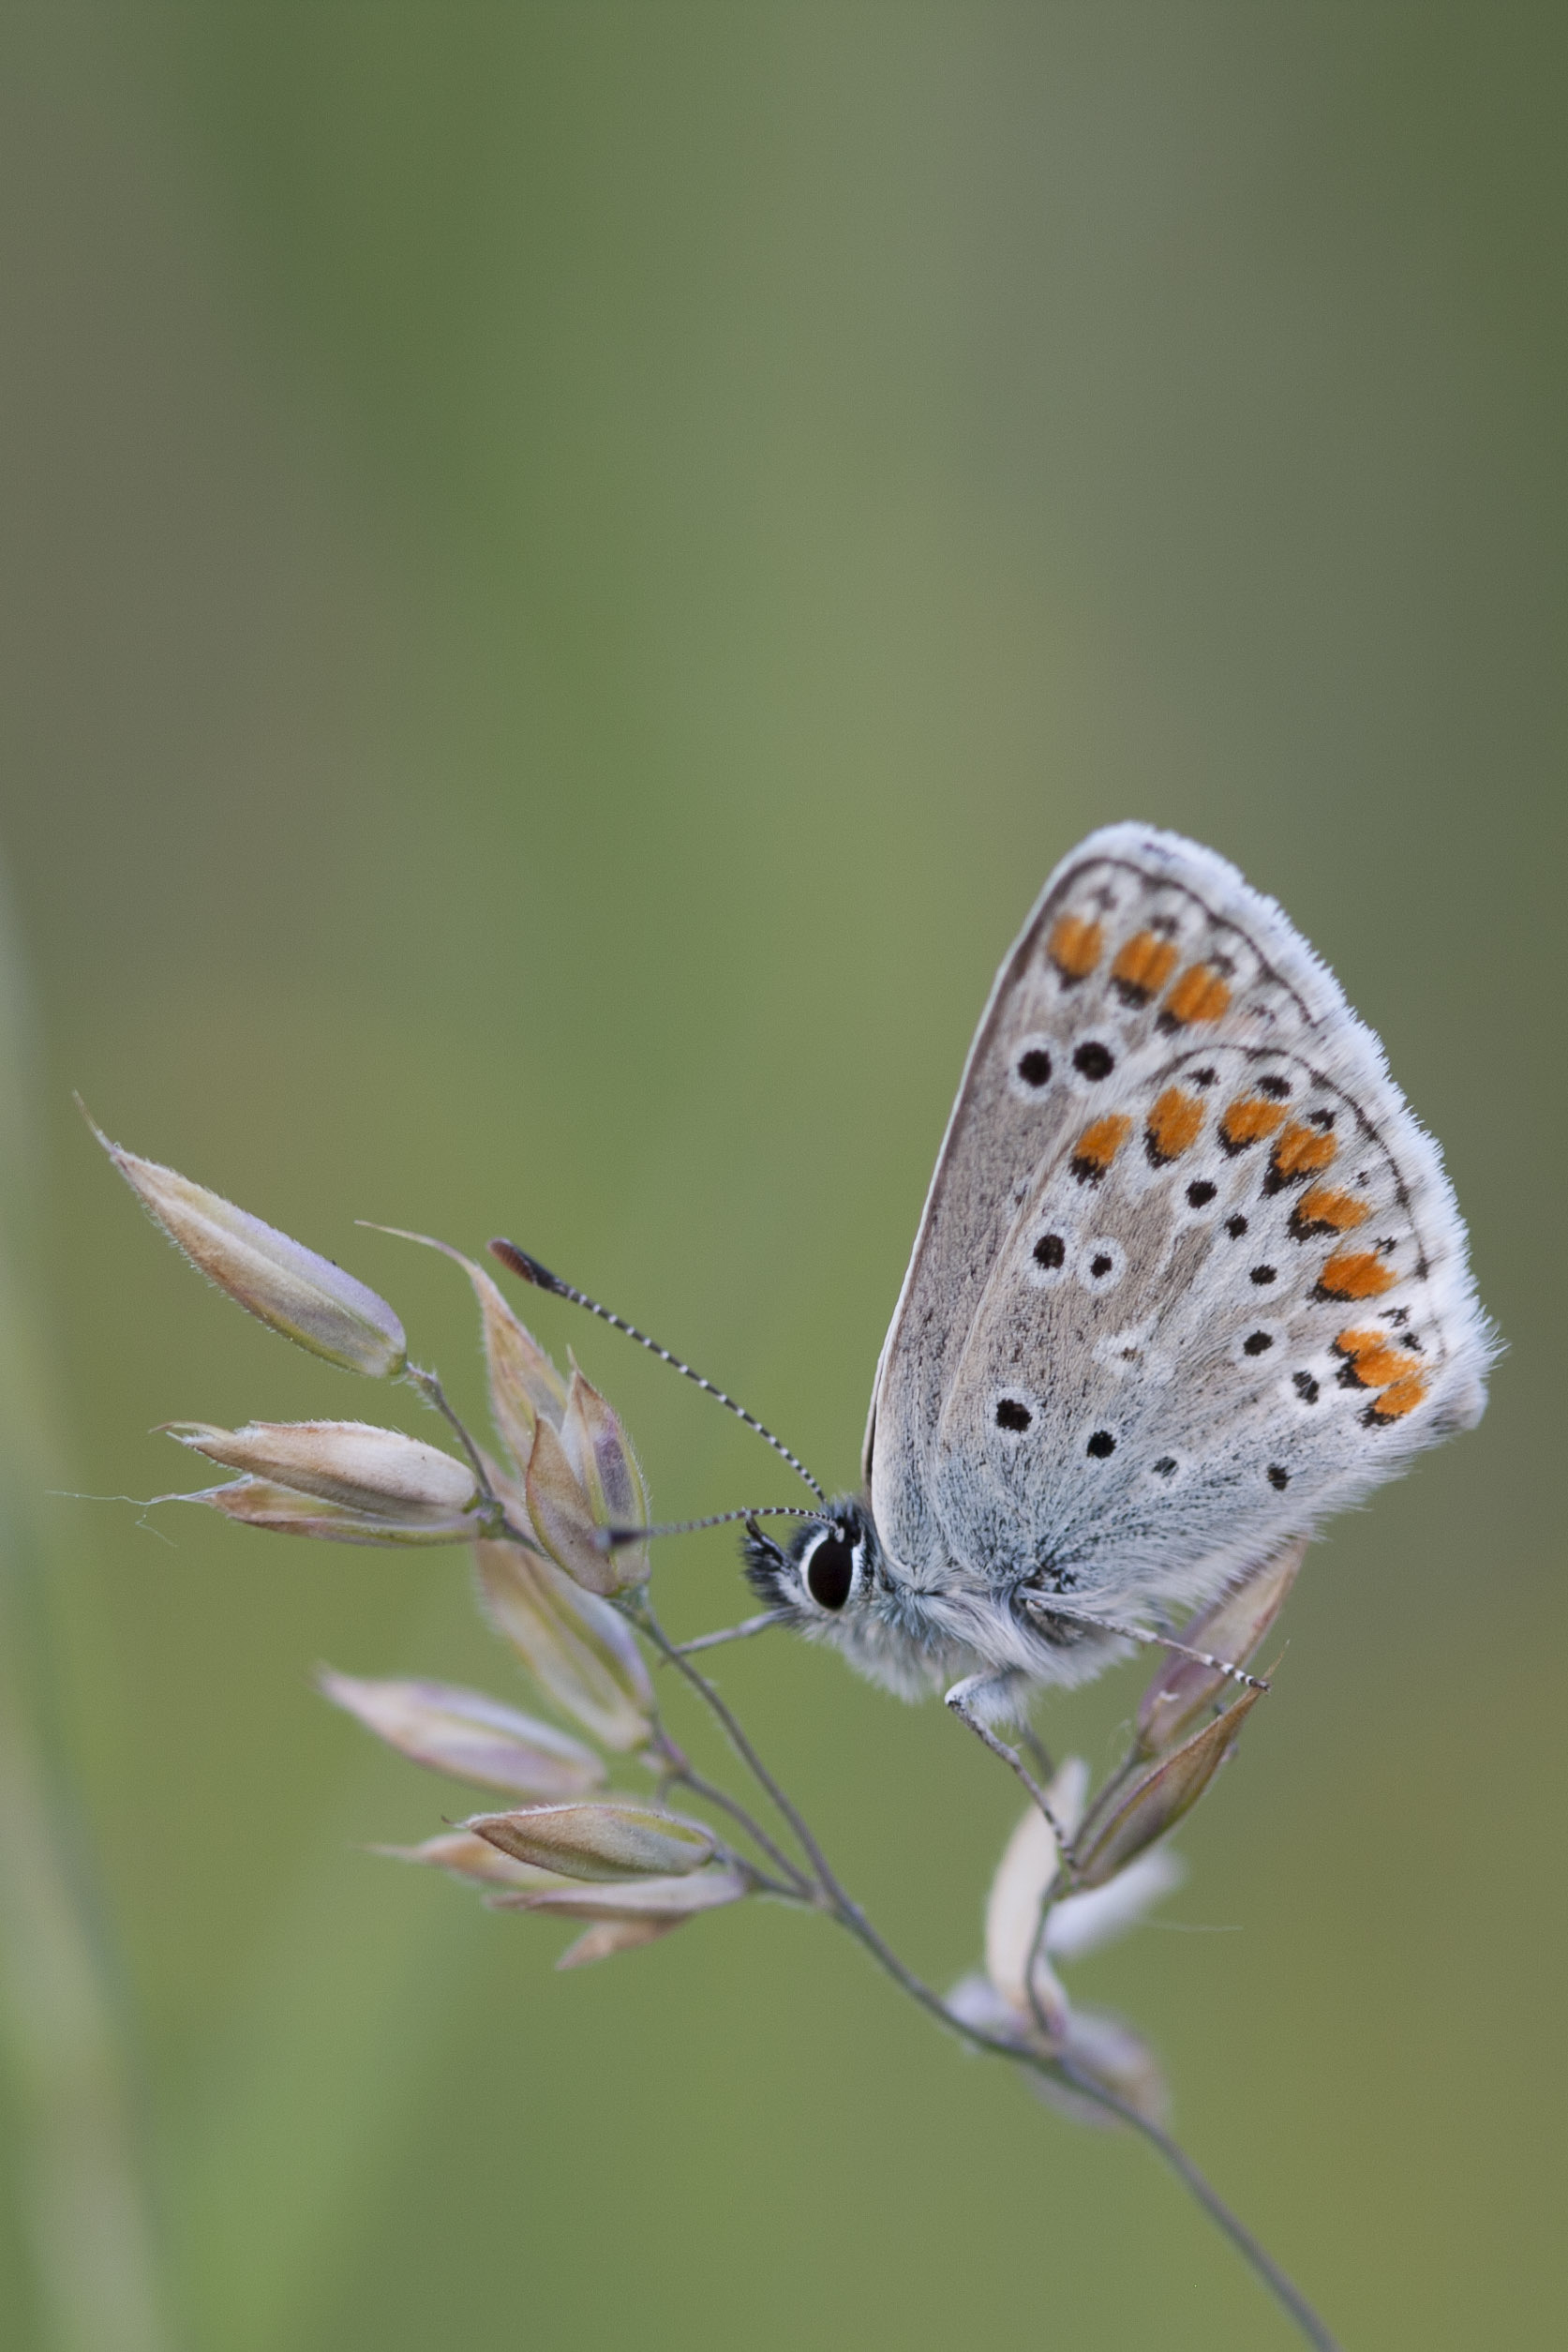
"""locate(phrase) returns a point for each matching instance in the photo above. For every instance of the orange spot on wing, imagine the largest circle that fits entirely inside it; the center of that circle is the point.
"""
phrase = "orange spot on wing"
(1097, 1147)
(1199, 994)
(1301, 1151)
(1402, 1398)
(1372, 1360)
(1246, 1119)
(1142, 967)
(1321, 1209)
(1074, 946)
(1355, 1274)
(1173, 1126)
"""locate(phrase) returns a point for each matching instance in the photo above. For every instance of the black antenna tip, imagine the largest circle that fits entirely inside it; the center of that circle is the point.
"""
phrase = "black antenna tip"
(518, 1262)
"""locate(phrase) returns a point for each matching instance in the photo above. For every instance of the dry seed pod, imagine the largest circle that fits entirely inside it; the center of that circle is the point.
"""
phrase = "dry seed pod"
(562, 1518)
(361, 1468)
(1109, 2053)
(1081, 1923)
(601, 1454)
(607, 1937)
(672, 1899)
(1142, 1811)
(1012, 1909)
(613, 1838)
(470, 1736)
(525, 1385)
(473, 1860)
(1231, 1629)
(305, 1297)
(975, 2004)
(285, 1511)
(579, 1650)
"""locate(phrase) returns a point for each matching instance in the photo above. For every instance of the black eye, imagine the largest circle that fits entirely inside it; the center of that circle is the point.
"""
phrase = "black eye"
(831, 1572)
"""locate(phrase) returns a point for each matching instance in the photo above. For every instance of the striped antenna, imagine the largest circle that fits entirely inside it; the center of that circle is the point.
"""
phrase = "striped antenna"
(518, 1262)
(612, 1539)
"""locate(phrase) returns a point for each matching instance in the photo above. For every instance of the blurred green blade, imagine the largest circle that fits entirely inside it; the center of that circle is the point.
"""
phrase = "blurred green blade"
(84, 2199)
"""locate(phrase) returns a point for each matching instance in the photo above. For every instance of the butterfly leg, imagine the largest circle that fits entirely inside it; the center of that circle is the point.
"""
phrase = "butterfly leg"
(981, 1692)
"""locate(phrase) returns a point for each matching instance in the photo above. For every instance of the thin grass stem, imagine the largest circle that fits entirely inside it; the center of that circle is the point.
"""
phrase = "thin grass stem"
(640, 1609)
(681, 1772)
(1280, 2285)
(833, 1898)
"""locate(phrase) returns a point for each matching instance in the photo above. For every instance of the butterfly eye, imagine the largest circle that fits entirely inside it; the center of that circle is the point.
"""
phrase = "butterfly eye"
(829, 1572)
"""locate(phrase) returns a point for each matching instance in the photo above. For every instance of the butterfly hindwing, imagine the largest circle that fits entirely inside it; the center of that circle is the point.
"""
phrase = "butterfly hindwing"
(1181, 1237)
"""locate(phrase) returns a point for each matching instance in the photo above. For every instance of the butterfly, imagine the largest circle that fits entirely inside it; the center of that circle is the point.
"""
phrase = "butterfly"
(1189, 1276)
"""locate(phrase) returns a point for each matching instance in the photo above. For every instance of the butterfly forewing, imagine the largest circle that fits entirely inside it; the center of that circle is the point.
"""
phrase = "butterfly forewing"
(1188, 1272)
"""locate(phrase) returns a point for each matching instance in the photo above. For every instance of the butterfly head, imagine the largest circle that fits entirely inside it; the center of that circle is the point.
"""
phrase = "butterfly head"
(834, 1583)
(824, 1576)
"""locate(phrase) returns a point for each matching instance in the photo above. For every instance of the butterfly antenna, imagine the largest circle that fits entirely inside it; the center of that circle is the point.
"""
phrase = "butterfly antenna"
(612, 1539)
(518, 1262)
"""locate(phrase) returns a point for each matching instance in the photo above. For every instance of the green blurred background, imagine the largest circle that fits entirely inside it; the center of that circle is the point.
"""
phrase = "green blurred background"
(567, 571)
